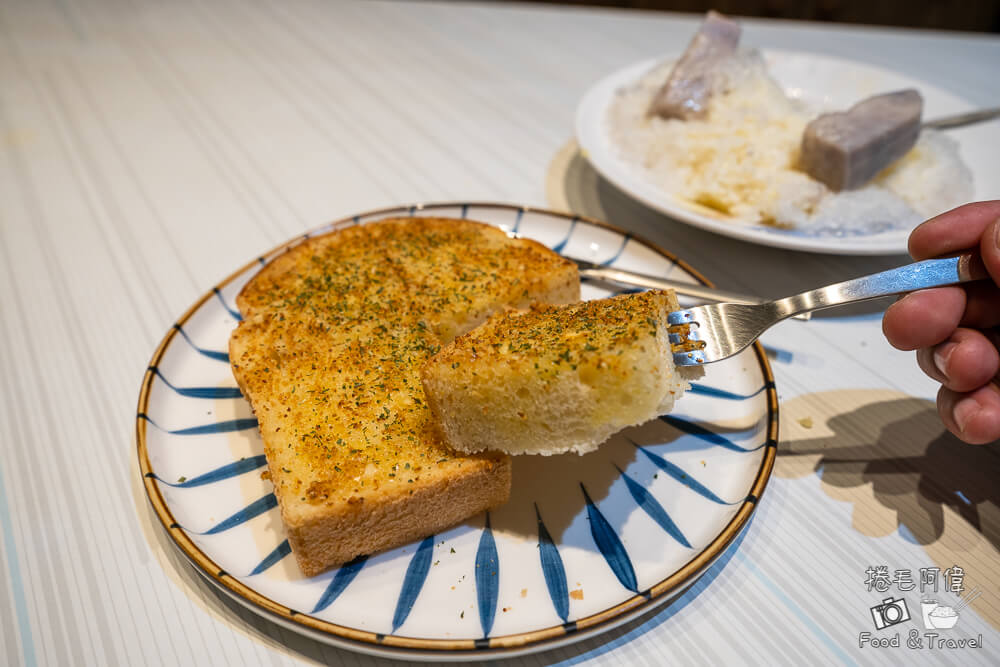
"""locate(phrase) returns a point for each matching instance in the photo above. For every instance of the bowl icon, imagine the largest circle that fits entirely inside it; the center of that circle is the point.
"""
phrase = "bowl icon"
(943, 618)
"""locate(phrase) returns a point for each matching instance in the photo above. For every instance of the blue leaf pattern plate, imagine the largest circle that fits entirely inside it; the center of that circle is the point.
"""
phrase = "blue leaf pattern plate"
(584, 544)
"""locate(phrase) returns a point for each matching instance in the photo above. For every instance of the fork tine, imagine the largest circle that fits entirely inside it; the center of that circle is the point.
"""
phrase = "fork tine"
(680, 317)
(684, 337)
(689, 358)
(685, 341)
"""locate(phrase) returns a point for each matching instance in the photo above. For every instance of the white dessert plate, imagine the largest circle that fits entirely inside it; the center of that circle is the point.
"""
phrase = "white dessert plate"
(822, 83)
(584, 544)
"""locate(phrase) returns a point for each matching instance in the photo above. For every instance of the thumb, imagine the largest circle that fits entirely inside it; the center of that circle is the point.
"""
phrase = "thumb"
(989, 248)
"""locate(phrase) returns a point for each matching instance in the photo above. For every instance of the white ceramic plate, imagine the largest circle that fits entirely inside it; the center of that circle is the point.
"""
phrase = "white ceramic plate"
(823, 83)
(584, 544)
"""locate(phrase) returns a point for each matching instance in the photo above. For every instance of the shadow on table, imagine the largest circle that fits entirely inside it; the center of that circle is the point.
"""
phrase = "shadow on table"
(573, 185)
(890, 457)
(914, 467)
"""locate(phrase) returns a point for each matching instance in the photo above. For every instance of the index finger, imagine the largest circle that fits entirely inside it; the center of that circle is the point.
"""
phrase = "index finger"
(958, 229)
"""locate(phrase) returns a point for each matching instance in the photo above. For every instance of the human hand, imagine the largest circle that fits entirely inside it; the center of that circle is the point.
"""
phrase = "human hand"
(955, 329)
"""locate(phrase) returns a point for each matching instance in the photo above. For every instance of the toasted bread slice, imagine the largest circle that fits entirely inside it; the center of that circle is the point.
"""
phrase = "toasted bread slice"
(554, 379)
(334, 334)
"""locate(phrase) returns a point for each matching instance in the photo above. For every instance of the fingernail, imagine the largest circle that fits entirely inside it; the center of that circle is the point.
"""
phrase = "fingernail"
(964, 411)
(996, 233)
(941, 355)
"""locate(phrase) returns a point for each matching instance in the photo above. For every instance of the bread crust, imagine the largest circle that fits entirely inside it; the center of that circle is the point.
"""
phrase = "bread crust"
(340, 537)
(328, 353)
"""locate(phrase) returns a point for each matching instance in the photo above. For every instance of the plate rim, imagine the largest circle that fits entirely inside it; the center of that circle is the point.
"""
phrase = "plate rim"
(449, 649)
(682, 211)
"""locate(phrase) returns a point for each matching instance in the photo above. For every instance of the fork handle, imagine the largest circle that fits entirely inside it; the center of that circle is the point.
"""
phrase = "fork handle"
(919, 275)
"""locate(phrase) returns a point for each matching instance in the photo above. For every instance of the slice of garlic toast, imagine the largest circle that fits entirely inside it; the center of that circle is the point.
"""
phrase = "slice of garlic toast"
(328, 354)
(554, 379)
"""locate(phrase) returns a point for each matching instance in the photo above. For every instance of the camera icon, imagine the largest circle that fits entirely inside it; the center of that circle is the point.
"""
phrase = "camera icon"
(890, 612)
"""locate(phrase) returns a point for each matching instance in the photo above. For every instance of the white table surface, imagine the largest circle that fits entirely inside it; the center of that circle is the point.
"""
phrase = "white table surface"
(149, 149)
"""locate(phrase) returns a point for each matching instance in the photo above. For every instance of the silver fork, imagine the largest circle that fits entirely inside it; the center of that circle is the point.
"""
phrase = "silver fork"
(704, 334)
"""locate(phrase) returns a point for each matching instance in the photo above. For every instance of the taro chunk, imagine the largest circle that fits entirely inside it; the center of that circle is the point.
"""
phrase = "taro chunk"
(686, 93)
(846, 149)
